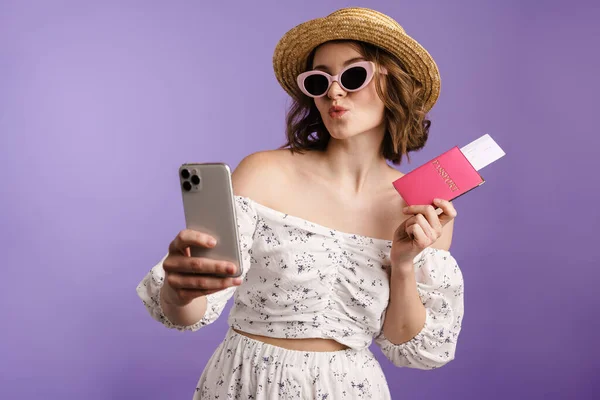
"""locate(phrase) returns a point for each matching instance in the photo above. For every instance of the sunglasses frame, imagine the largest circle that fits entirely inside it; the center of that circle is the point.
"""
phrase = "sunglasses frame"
(369, 66)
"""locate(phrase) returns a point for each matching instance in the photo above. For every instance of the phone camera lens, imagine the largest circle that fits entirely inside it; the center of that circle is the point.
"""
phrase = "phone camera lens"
(195, 179)
(187, 186)
(185, 173)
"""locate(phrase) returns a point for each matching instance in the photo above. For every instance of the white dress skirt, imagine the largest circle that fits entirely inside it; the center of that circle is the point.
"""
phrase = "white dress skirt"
(245, 368)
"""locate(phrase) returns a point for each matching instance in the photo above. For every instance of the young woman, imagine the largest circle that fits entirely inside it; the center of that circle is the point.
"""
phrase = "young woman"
(333, 260)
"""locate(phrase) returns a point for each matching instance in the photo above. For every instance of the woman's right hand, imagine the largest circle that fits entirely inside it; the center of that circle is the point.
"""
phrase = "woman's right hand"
(187, 277)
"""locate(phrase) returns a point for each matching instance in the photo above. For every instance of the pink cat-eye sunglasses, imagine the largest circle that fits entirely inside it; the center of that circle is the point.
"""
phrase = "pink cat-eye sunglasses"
(354, 77)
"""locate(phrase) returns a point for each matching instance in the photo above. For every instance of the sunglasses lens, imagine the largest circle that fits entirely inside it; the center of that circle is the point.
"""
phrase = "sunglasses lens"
(316, 84)
(353, 78)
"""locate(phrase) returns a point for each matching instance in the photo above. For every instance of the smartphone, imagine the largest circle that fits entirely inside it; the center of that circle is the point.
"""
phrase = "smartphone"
(209, 207)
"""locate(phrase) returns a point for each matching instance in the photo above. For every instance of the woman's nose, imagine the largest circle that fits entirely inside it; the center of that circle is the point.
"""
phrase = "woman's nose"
(336, 91)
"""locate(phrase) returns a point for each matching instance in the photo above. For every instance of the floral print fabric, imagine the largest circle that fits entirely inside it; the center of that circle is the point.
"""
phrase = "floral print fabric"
(305, 280)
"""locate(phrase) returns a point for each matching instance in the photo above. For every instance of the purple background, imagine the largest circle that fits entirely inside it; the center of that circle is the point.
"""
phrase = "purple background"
(101, 102)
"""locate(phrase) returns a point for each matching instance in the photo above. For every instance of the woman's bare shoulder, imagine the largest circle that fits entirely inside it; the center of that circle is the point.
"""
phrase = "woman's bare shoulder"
(389, 200)
(259, 175)
(396, 174)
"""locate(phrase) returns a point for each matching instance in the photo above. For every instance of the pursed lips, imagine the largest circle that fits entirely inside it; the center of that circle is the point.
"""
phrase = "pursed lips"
(337, 111)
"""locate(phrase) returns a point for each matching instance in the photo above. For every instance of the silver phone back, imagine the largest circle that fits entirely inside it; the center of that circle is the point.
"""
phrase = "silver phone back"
(209, 207)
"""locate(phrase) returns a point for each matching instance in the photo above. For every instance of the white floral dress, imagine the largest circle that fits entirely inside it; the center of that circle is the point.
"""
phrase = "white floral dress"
(304, 280)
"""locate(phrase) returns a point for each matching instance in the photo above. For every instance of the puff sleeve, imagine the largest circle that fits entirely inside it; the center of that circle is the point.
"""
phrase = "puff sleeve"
(440, 286)
(148, 290)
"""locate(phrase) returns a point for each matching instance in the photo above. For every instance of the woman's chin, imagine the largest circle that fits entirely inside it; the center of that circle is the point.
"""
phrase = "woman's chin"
(340, 131)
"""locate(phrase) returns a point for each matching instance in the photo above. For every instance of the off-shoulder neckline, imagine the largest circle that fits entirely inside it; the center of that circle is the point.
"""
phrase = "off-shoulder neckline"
(314, 224)
(354, 236)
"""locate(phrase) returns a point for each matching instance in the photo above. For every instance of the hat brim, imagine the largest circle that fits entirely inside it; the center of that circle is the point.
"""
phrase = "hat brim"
(294, 48)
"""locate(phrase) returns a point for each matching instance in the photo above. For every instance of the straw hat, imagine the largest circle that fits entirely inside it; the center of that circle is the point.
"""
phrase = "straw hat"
(363, 24)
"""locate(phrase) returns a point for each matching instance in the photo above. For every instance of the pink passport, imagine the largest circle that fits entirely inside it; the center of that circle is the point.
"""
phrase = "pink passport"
(447, 176)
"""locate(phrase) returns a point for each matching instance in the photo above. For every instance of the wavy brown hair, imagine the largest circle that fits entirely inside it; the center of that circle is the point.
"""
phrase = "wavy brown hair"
(407, 126)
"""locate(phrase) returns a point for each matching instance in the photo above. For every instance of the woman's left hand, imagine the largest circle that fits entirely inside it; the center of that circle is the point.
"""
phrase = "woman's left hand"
(417, 232)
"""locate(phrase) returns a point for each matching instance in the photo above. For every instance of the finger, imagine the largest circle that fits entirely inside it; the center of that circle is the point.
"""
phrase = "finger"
(198, 265)
(445, 215)
(426, 228)
(187, 238)
(201, 282)
(448, 210)
(435, 225)
(415, 232)
(421, 221)
(418, 209)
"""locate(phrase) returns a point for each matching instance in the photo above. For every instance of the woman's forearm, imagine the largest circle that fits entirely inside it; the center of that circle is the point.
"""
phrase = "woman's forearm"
(405, 314)
(182, 315)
